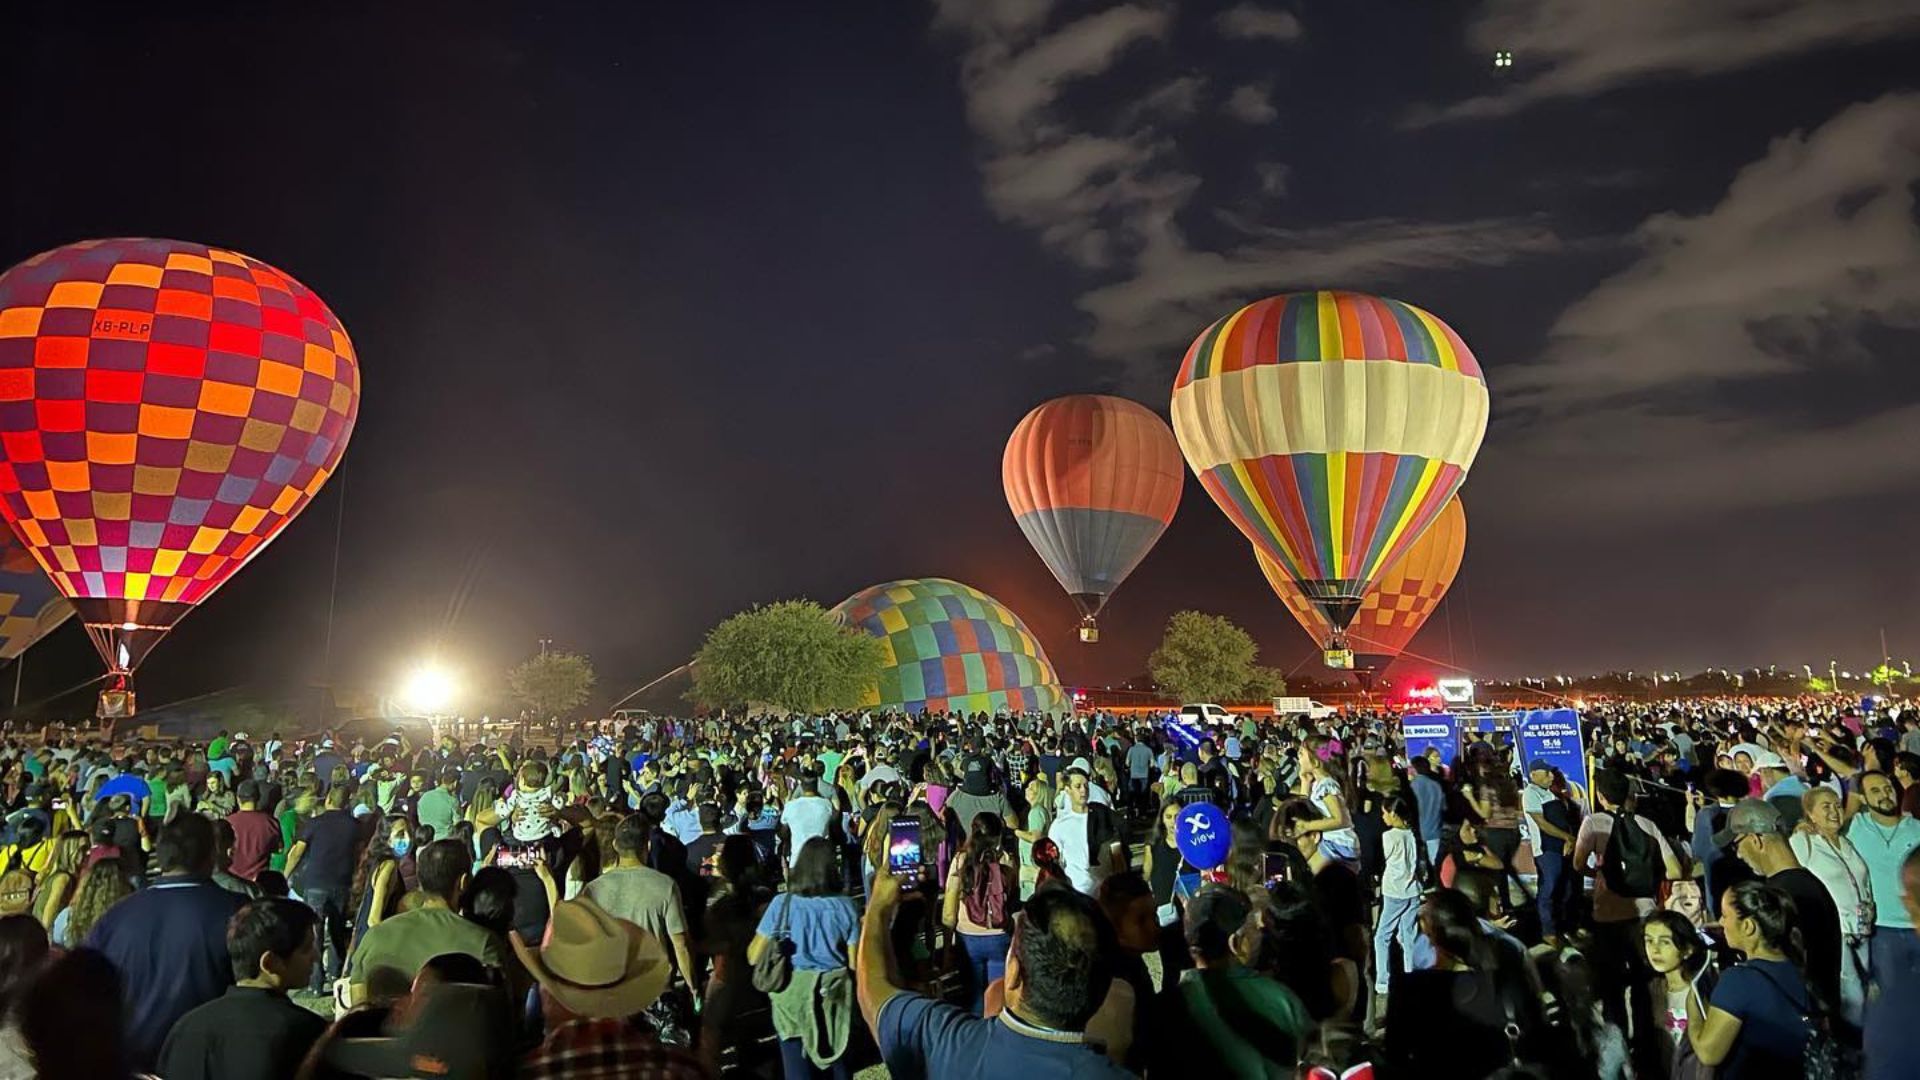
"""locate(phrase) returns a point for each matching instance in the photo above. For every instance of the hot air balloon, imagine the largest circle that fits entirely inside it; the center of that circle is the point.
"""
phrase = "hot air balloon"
(30, 608)
(1331, 427)
(952, 648)
(165, 409)
(1397, 605)
(1092, 481)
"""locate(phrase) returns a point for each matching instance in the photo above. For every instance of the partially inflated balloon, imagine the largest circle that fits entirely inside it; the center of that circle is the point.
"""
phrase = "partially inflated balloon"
(165, 409)
(1331, 427)
(1397, 605)
(1092, 481)
(30, 607)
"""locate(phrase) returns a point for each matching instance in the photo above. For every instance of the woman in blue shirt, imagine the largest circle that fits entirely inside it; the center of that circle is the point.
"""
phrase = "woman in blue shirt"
(824, 926)
(1757, 1026)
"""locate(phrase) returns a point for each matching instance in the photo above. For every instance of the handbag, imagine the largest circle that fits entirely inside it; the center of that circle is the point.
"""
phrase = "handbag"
(774, 970)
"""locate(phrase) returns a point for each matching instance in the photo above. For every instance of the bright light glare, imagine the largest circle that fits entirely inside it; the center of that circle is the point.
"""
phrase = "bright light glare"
(430, 689)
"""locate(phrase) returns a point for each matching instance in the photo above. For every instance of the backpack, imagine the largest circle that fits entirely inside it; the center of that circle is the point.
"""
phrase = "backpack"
(1824, 1057)
(1631, 865)
(16, 887)
(986, 903)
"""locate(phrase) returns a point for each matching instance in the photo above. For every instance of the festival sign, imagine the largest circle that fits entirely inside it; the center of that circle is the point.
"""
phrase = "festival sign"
(1553, 735)
(1435, 729)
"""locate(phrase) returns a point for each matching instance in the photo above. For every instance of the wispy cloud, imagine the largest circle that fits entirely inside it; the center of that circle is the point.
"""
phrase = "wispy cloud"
(1576, 48)
(1078, 185)
(1252, 21)
(1252, 103)
(1811, 242)
(1632, 408)
(1108, 186)
(1175, 289)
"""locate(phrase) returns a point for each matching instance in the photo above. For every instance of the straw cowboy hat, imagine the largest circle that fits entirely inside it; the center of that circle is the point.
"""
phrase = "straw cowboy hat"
(594, 964)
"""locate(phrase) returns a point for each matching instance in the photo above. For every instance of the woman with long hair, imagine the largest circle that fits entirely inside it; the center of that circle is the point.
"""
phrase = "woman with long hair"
(1495, 798)
(1163, 860)
(983, 890)
(1474, 1011)
(1327, 784)
(1682, 974)
(481, 810)
(873, 845)
(823, 927)
(58, 886)
(23, 953)
(739, 896)
(217, 800)
(102, 885)
(381, 878)
(1757, 1022)
(1039, 817)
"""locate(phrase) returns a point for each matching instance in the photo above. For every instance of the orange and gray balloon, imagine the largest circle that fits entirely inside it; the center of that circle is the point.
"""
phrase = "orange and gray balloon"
(1093, 481)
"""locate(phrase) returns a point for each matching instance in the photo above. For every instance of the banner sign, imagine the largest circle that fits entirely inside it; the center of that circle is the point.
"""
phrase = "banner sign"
(1434, 729)
(1553, 735)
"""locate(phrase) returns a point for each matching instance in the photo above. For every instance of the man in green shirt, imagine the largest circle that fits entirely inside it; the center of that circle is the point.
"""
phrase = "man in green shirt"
(393, 952)
(440, 808)
(1223, 1018)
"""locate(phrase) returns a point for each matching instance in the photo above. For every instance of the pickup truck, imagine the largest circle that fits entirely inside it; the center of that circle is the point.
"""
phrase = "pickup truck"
(1206, 715)
(1302, 706)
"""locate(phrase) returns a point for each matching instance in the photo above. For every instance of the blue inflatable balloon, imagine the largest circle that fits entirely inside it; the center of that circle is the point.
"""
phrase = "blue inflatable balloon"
(1203, 835)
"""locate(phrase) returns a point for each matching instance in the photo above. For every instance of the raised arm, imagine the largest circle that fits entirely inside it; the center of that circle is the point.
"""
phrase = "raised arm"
(875, 970)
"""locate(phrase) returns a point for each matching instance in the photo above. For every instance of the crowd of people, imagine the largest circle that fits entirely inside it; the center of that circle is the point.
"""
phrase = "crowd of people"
(982, 896)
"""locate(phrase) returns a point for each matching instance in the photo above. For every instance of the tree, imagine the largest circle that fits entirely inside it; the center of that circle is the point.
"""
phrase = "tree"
(792, 655)
(1207, 658)
(553, 684)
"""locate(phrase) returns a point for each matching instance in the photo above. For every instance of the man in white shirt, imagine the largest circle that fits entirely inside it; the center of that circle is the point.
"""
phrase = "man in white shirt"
(806, 816)
(1089, 848)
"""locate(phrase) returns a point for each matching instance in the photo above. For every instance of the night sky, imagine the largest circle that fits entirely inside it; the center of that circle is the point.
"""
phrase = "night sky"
(667, 309)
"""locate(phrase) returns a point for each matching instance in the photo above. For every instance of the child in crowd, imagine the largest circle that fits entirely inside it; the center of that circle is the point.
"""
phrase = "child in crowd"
(533, 808)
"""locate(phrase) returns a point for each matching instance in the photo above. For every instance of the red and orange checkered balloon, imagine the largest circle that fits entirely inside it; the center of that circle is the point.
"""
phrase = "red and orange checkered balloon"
(165, 409)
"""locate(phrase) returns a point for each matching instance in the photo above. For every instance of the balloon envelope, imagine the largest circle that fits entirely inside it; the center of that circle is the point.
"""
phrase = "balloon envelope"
(1331, 427)
(165, 409)
(1092, 481)
(30, 607)
(1397, 605)
(952, 648)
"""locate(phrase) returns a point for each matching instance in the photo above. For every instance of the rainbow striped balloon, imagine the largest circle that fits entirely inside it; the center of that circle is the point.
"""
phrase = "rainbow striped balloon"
(1332, 428)
(1397, 605)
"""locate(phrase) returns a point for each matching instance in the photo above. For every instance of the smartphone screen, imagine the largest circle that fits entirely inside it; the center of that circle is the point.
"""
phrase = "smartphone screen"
(1276, 868)
(903, 849)
(519, 858)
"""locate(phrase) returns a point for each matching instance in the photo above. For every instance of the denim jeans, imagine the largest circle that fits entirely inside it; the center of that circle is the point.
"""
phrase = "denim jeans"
(1399, 918)
(1549, 897)
(1891, 951)
(987, 959)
